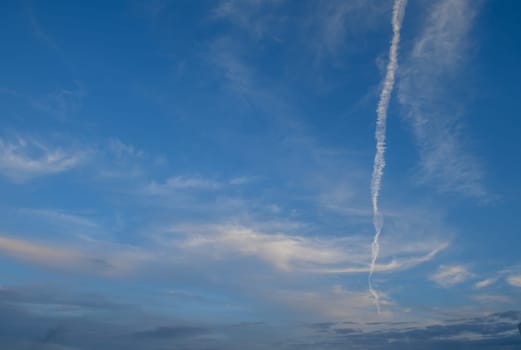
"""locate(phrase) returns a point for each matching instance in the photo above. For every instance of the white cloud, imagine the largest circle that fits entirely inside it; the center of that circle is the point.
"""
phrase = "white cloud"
(448, 276)
(514, 280)
(287, 252)
(485, 283)
(22, 159)
(424, 91)
(278, 249)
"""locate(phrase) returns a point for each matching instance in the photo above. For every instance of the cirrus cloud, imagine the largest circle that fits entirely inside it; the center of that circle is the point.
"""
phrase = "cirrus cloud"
(25, 159)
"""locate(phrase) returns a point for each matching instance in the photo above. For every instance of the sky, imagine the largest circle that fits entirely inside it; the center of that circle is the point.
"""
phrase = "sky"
(200, 175)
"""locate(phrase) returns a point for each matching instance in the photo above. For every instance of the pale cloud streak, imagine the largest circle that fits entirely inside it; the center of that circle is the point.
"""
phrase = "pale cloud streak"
(435, 59)
(23, 159)
(38, 253)
(448, 276)
(59, 217)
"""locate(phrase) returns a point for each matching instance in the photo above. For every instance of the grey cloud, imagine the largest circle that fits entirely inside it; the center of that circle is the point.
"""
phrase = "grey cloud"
(22, 329)
(172, 332)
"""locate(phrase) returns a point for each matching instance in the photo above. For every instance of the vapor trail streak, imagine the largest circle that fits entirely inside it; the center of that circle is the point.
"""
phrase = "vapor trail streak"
(379, 159)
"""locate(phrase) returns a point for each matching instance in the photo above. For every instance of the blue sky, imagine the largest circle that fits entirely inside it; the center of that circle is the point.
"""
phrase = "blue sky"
(197, 175)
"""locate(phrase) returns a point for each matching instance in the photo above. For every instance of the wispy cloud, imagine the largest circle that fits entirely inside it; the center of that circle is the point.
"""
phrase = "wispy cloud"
(450, 275)
(23, 159)
(242, 180)
(60, 104)
(44, 36)
(238, 75)
(60, 218)
(334, 25)
(509, 275)
(194, 183)
(485, 283)
(120, 149)
(182, 183)
(435, 59)
(253, 16)
(491, 298)
(210, 244)
(39, 253)
(283, 251)
(392, 266)
(290, 252)
(90, 256)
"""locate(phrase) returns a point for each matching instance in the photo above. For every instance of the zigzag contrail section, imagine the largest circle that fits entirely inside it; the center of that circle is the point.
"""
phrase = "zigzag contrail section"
(379, 159)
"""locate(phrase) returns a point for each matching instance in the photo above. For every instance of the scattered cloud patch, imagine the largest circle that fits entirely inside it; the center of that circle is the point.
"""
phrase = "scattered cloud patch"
(514, 280)
(485, 283)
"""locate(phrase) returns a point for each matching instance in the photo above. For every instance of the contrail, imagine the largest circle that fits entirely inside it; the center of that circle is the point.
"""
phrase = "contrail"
(379, 160)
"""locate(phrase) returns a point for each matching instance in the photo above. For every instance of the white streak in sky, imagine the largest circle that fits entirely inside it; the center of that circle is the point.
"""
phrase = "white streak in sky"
(379, 159)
